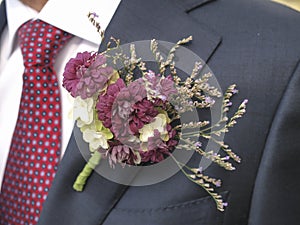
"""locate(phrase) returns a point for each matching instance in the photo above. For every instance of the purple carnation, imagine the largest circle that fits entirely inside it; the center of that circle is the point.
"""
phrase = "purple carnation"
(106, 101)
(167, 87)
(86, 74)
(144, 112)
(134, 93)
(71, 77)
(163, 87)
(123, 107)
(122, 154)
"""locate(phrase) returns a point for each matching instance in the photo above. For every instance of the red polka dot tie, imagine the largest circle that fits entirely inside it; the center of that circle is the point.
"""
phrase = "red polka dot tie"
(35, 147)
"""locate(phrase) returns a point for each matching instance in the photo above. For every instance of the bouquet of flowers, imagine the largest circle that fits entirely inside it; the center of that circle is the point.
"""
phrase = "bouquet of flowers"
(133, 115)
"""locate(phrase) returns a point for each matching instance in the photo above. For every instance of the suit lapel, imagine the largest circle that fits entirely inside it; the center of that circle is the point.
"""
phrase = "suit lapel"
(3, 20)
(133, 21)
(161, 20)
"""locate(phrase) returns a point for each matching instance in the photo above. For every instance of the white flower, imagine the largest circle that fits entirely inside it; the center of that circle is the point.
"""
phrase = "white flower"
(96, 135)
(95, 139)
(160, 124)
(83, 111)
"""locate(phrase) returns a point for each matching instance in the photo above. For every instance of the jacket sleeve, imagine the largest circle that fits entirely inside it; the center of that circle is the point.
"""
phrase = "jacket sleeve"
(276, 193)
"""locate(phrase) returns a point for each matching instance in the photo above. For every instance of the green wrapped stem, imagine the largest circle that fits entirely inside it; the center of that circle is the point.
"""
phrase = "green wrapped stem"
(86, 172)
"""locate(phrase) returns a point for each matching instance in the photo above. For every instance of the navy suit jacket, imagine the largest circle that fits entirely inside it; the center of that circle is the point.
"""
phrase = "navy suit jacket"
(253, 43)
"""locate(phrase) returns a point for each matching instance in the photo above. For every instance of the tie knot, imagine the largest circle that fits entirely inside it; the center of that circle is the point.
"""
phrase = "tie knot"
(40, 42)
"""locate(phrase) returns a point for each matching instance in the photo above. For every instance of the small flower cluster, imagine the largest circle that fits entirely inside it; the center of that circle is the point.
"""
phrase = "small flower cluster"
(118, 117)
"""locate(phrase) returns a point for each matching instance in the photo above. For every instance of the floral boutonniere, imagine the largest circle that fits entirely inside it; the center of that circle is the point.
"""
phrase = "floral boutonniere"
(133, 115)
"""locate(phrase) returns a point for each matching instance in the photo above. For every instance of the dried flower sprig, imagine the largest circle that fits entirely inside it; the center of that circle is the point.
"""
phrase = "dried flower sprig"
(207, 183)
(203, 94)
(92, 17)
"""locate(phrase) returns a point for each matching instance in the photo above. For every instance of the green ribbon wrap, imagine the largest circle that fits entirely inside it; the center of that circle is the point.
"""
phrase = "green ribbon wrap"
(86, 172)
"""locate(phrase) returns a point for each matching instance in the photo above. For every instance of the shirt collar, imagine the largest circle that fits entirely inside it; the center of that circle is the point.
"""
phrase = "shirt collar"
(68, 15)
(17, 13)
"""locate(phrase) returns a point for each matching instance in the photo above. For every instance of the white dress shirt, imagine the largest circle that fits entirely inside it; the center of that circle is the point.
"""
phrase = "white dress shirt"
(68, 15)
